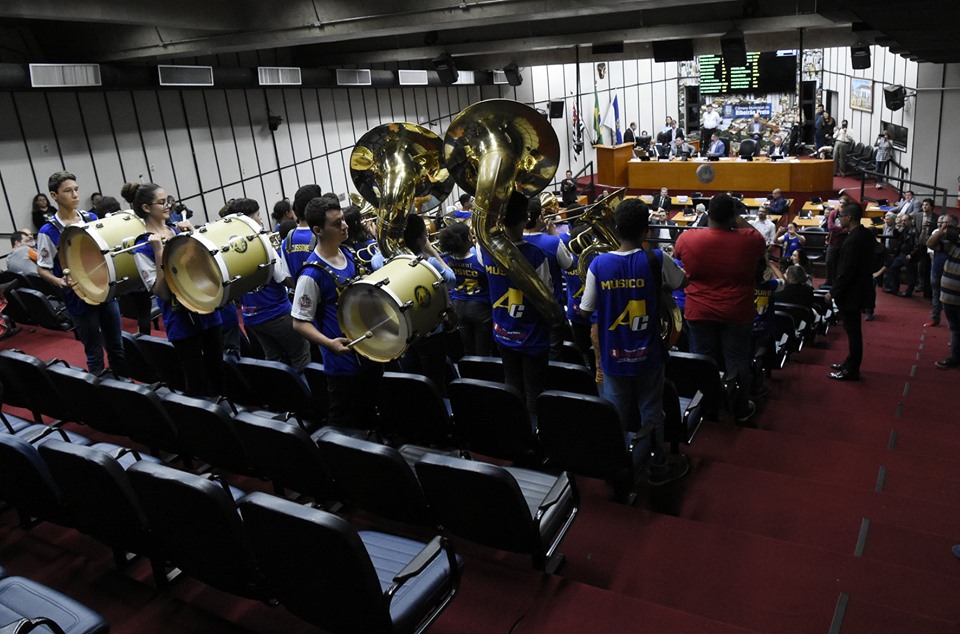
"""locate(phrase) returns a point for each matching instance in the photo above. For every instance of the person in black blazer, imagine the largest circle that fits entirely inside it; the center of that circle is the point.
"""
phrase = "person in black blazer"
(853, 288)
(662, 200)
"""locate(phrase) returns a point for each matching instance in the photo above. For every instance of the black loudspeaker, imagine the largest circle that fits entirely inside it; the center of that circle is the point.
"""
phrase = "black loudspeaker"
(556, 110)
(808, 99)
(608, 48)
(894, 97)
(672, 50)
(733, 49)
(273, 122)
(446, 69)
(692, 108)
(513, 75)
(860, 56)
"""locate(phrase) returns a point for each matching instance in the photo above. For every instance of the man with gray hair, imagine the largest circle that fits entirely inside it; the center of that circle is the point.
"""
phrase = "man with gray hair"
(947, 239)
(936, 272)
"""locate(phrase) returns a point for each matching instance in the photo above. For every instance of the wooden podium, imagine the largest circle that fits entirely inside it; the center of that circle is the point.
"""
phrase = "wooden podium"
(612, 163)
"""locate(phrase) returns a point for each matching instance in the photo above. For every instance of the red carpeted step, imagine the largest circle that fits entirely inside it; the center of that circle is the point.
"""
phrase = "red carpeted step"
(800, 510)
(817, 459)
(924, 550)
(865, 617)
(564, 606)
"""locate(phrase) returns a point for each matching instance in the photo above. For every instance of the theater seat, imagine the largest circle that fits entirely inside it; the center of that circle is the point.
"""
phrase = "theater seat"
(481, 368)
(278, 387)
(345, 581)
(571, 377)
(138, 413)
(507, 508)
(29, 379)
(197, 527)
(492, 419)
(162, 358)
(207, 432)
(583, 434)
(140, 369)
(412, 408)
(21, 598)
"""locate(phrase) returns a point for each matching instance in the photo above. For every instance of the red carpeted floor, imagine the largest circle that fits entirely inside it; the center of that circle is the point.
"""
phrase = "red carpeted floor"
(836, 514)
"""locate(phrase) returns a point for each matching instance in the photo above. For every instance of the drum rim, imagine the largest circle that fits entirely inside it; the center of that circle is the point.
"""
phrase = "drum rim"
(208, 244)
(82, 227)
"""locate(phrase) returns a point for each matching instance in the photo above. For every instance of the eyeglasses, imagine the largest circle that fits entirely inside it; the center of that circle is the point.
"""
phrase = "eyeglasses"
(162, 203)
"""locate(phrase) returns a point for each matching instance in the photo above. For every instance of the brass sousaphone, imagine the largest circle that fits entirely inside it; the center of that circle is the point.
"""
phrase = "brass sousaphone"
(395, 167)
(492, 149)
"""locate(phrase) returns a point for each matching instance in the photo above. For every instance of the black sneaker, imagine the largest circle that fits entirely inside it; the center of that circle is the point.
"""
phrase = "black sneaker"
(669, 471)
(748, 414)
(946, 364)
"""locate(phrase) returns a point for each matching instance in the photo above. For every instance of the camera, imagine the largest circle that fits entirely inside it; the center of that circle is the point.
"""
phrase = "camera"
(951, 233)
(179, 208)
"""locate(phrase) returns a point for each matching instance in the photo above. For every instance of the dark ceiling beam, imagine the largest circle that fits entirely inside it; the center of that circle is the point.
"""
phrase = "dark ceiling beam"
(209, 15)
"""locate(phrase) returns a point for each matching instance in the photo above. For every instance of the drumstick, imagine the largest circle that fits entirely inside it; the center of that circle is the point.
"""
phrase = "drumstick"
(367, 334)
(66, 274)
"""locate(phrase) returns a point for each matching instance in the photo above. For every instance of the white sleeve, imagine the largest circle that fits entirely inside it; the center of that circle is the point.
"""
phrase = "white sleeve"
(543, 272)
(305, 299)
(280, 270)
(46, 251)
(564, 259)
(588, 301)
(147, 269)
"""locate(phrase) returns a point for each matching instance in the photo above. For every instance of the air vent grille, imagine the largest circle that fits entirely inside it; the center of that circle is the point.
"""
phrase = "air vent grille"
(353, 77)
(185, 75)
(64, 75)
(279, 76)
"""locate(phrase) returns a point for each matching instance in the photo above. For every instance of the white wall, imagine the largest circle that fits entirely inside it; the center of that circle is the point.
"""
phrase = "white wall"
(885, 69)
(937, 161)
(207, 146)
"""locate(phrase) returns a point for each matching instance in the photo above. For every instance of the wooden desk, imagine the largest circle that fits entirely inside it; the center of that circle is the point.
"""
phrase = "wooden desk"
(612, 164)
(733, 175)
(675, 201)
(816, 221)
(756, 203)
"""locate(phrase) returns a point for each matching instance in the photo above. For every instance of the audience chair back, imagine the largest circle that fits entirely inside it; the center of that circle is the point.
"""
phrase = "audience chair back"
(140, 369)
(571, 377)
(492, 419)
(44, 312)
(32, 385)
(317, 383)
(139, 413)
(162, 357)
(412, 408)
(517, 510)
(81, 393)
(286, 454)
(373, 477)
(278, 387)
(345, 581)
(27, 484)
(197, 527)
(27, 606)
(207, 432)
(692, 373)
(481, 368)
(583, 434)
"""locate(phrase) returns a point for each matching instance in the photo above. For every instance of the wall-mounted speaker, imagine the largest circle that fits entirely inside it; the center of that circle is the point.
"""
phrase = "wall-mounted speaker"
(672, 50)
(894, 97)
(607, 48)
(556, 110)
(733, 48)
(513, 75)
(860, 56)
(446, 69)
(273, 122)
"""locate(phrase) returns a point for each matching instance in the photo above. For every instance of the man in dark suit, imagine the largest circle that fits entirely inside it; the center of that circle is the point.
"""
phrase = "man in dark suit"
(662, 200)
(630, 134)
(853, 288)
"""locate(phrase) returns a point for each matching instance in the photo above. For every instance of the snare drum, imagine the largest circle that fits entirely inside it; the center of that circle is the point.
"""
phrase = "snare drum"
(208, 267)
(100, 257)
(399, 303)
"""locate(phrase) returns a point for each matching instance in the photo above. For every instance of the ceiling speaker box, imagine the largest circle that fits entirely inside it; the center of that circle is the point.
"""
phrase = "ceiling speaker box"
(734, 49)
(672, 50)
(446, 69)
(860, 56)
(894, 97)
(556, 110)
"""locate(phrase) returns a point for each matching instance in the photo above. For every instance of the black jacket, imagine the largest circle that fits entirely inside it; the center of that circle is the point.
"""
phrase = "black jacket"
(853, 286)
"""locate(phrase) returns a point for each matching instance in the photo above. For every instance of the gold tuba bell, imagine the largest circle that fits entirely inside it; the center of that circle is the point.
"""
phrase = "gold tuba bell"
(492, 149)
(393, 166)
(602, 236)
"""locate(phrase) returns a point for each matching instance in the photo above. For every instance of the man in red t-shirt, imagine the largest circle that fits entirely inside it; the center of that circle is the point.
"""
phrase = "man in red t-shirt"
(722, 263)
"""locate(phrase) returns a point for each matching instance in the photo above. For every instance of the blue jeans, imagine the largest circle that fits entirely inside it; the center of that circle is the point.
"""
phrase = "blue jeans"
(729, 345)
(639, 401)
(99, 327)
(952, 313)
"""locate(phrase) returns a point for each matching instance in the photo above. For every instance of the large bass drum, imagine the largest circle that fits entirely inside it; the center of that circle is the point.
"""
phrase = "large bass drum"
(208, 267)
(100, 258)
(397, 304)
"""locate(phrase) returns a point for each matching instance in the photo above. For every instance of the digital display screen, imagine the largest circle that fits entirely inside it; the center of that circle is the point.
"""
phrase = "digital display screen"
(764, 73)
(898, 134)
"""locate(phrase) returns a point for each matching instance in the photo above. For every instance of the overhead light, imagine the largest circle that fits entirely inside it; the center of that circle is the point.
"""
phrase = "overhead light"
(353, 77)
(171, 75)
(64, 75)
(412, 77)
(279, 76)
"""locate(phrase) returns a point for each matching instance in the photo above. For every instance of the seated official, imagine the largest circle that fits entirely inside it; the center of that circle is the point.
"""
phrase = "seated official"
(777, 202)
(716, 147)
(777, 148)
(680, 148)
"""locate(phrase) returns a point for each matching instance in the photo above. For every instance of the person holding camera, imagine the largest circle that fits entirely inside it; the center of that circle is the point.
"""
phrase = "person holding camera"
(884, 156)
(946, 239)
